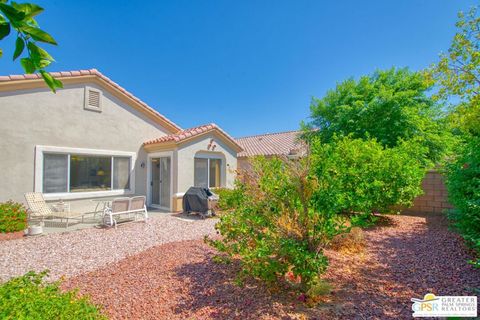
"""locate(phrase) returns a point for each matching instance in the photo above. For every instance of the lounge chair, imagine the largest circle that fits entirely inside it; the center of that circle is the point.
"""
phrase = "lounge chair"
(39, 209)
(126, 206)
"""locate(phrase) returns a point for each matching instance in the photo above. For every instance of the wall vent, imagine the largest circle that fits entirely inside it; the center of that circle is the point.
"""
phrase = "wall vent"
(93, 99)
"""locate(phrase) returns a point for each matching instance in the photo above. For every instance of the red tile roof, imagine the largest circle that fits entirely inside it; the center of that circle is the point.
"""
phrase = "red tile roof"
(270, 144)
(192, 132)
(95, 72)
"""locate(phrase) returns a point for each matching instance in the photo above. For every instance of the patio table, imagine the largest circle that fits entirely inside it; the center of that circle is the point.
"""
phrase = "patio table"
(104, 203)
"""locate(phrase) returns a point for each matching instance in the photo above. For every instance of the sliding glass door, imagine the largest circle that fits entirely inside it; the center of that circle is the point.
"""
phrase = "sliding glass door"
(160, 182)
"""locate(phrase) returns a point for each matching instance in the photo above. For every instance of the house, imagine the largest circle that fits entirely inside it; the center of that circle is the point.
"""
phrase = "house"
(94, 139)
(287, 144)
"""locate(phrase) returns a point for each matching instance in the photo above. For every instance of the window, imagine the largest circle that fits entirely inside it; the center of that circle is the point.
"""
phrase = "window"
(90, 173)
(215, 165)
(84, 173)
(55, 173)
(201, 173)
(207, 172)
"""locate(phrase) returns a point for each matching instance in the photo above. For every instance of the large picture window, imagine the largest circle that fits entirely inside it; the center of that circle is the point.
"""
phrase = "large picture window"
(85, 173)
(207, 172)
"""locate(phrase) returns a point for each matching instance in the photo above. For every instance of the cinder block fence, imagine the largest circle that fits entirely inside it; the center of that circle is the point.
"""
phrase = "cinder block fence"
(434, 199)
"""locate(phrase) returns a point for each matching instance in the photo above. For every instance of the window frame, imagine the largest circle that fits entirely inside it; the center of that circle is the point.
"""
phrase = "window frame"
(222, 166)
(39, 165)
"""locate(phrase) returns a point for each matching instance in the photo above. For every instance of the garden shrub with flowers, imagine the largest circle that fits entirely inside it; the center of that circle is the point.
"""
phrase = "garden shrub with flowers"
(13, 217)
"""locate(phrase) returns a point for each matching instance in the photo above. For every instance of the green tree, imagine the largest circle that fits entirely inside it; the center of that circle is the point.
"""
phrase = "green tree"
(458, 73)
(390, 106)
(20, 19)
(458, 76)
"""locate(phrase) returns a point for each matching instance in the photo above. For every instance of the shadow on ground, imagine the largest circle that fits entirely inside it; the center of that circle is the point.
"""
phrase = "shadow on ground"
(417, 256)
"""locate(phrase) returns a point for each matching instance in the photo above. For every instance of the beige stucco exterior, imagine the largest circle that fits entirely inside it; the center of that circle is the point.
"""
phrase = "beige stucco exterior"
(183, 162)
(34, 117)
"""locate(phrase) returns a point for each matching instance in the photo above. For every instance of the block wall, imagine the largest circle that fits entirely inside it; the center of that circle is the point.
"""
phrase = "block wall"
(435, 198)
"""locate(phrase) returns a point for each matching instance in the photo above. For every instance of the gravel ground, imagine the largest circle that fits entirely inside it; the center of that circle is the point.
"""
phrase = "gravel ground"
(85, 250)
(407, 257)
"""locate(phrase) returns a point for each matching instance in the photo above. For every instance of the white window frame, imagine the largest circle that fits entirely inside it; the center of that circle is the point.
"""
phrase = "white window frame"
(222, 168)
(39, 157)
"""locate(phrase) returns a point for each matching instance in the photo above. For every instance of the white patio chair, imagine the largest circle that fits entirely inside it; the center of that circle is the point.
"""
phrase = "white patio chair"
(39, 209)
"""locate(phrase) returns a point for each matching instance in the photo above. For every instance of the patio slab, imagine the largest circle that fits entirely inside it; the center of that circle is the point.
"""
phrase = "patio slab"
(72, 251)
(89, 221)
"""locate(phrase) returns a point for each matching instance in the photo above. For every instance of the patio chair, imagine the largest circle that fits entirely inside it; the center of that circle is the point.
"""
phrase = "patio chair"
(119, 206)
(122, 206)
(39, 209)
(138, 206)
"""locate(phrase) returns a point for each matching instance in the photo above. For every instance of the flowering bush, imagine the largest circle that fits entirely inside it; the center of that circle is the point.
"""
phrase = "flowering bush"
(276, 231)
(13, 217)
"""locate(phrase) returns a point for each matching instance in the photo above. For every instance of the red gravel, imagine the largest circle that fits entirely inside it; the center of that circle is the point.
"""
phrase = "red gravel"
(409, 257)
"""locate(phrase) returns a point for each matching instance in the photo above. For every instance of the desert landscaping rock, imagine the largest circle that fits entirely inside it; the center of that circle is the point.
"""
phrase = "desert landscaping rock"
(408, 256)
(67, 254)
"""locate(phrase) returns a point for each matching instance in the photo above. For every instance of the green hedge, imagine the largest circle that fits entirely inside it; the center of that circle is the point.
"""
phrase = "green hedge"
(29, 297)
(13, 217)
(361, 176)
(463, 184)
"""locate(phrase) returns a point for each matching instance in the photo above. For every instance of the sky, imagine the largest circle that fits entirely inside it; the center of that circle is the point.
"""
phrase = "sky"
(251, 67)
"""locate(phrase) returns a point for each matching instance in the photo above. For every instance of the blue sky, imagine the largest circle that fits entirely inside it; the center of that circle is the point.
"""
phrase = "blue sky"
(249, 66)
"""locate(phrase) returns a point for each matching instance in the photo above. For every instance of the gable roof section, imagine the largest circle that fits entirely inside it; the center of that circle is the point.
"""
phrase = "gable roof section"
(194, 133)
(29, 81)
(271, 144)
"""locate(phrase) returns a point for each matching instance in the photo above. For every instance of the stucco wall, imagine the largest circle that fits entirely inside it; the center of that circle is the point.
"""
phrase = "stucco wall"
(39, 117)
(186, 154)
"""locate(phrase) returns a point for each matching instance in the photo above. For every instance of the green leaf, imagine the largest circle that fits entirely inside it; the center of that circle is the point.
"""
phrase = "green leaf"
(38, 34)
(11, 13)
(27, 65)
(4, 30)
(30, 9)
(1, 53)
(52, 83)
(19, 46)
(39, 52)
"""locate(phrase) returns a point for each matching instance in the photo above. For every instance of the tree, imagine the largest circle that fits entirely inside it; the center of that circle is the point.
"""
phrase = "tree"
(390, 106)
(458, 76)
(458, 73)
(20, 18)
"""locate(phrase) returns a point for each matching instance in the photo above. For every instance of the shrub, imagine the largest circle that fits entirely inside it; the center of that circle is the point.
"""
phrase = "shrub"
(361, 176)
(29, 297)
(13, 217)
(276, 232)
(352, 242)
(463, 184)
(230, 198)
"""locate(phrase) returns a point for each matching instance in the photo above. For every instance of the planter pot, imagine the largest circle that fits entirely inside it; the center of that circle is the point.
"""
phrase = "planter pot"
(35, 230)
(11, 235)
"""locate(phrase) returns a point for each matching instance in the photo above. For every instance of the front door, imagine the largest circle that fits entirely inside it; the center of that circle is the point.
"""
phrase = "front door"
(160, 182)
